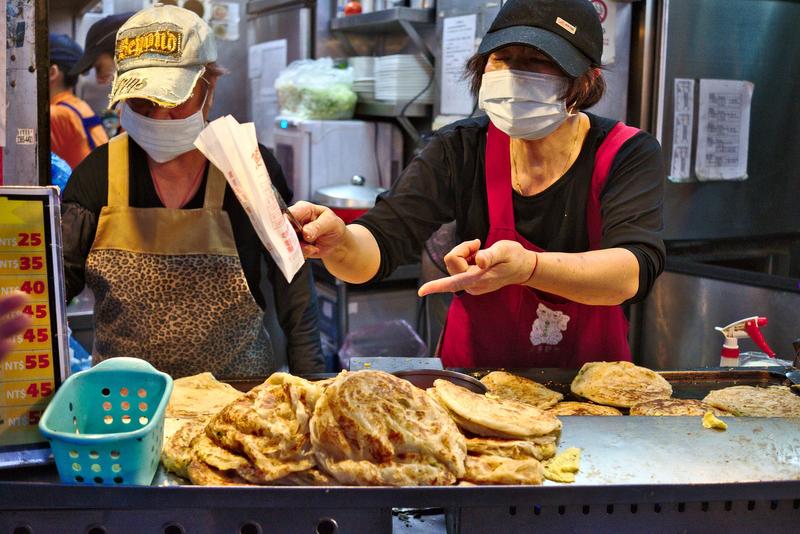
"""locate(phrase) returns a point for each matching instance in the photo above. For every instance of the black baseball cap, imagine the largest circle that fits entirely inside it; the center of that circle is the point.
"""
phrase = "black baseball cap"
(100, 38)
(567, 31)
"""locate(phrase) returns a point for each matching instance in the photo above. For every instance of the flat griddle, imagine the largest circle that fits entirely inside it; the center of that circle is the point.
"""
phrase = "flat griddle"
(636, 474)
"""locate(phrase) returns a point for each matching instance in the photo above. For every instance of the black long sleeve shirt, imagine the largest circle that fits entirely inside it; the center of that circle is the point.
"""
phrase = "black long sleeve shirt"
(447, 182)
(294, 303)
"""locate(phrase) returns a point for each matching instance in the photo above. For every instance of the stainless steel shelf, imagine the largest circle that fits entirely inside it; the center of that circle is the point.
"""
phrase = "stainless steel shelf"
(391, 109)
(379, 23)
(382, 21)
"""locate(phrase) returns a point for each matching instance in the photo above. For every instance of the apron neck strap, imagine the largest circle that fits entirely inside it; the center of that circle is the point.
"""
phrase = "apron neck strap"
(118, 169)
(215, 188)
(603, 159)
(119, 183)
(498, 179)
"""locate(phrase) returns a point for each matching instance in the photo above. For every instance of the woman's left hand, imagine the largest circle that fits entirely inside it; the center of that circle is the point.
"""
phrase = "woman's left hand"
(504, 263)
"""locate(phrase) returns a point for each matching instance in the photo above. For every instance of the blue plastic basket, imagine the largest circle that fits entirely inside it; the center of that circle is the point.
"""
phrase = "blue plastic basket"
(106, 425)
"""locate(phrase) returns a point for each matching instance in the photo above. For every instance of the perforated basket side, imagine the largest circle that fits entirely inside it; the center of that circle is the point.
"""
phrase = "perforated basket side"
(105, 425)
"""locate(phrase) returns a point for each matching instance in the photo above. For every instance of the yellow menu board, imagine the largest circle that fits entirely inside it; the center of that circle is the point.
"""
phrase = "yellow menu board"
(31, 261)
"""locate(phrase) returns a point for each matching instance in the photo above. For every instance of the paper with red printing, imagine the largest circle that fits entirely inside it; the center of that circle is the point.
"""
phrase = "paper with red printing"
(233, 149)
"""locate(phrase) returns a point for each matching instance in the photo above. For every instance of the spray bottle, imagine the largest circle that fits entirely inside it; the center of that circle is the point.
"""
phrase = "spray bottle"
(750, 327)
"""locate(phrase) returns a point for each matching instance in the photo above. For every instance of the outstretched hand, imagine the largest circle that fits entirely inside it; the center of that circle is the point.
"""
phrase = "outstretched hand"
(482, 271)
(323, 230)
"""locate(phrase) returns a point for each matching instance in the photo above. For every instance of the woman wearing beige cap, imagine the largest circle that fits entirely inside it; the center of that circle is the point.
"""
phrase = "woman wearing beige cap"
(559, 210)
(151, 227)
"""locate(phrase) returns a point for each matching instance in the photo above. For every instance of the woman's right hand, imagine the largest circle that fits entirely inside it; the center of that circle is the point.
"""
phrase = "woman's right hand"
(12, 323)
(323, 230)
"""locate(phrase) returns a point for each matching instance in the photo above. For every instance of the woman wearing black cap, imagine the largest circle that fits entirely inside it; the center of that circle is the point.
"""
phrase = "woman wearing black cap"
(559, 210)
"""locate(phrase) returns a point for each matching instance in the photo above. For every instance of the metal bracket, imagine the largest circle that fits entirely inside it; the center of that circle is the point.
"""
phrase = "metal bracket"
(349, 49)
(405, 123)
(414, 35)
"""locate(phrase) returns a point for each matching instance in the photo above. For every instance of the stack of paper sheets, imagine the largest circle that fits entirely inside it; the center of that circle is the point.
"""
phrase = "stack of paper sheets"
(233, 149)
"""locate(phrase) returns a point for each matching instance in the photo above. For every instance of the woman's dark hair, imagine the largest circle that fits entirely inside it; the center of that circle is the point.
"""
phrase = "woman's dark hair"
(583, 92)
(214, 70)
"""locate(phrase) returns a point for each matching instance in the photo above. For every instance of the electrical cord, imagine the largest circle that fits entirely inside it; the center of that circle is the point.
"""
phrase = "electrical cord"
(376, 125)
(408, 104)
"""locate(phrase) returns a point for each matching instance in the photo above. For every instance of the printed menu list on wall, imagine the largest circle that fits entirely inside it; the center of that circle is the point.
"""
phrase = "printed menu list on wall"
(30, 261)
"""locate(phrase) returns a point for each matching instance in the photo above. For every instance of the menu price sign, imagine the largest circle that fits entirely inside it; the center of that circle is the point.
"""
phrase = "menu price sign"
(31, 261)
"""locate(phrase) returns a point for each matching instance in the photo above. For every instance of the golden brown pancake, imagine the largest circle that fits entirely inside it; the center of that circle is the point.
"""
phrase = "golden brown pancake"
(582, 408)
(198, 395)
(177, 453)
(749, 401)
(270, 427)
(507, 386)
(487, 469)
(620, 384)
(201, 474)
(490, 417)
(518, 449)
(667, 407)
(372, 428)
(312, 477)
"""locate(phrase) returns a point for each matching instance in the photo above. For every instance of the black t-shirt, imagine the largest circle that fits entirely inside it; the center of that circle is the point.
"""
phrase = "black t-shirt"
(295, 304)
(446, 182)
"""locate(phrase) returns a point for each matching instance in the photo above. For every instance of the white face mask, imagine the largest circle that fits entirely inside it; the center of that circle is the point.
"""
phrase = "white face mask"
(525, 105)
(166, 139)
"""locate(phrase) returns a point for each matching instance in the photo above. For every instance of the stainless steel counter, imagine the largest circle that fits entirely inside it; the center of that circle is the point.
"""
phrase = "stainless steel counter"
(637, 474)
(634, 470)
(678, 450)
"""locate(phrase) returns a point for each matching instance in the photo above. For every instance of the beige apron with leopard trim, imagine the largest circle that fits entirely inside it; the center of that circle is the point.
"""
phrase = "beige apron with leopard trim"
(169, 287)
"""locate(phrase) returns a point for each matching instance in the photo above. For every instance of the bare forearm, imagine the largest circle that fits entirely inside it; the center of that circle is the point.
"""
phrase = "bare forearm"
(599, 277)
(357, 259)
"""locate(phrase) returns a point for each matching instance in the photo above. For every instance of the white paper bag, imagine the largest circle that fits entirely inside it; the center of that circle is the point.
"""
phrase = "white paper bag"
(233, 149)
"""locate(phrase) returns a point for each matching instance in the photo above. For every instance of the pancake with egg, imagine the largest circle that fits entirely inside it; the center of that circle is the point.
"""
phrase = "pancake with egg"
(620, 384)
(507, 386)
(750, 401)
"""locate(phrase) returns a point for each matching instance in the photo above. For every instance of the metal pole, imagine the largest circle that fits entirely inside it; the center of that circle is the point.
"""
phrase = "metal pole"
(42, 67)
(26, 156)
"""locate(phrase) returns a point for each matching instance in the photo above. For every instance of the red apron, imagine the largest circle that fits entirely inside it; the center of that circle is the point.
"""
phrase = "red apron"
(517, 326)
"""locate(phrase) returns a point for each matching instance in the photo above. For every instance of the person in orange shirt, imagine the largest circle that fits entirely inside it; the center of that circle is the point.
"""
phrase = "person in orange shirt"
(75, 130)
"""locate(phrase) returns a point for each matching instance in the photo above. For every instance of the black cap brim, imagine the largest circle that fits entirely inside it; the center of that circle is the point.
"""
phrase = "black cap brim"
(570, 59)
(85, 63)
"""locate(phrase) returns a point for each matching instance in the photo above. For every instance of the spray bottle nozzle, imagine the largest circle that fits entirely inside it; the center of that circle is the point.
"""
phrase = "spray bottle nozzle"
(749, 327)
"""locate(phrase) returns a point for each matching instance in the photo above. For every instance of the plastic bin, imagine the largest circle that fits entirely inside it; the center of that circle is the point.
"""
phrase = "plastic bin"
(106, 425)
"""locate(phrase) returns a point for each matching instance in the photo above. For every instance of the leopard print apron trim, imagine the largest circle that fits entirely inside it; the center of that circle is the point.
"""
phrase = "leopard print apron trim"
(185, 313)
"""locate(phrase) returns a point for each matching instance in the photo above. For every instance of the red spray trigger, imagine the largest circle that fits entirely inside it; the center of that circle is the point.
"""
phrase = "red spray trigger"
(752, 329)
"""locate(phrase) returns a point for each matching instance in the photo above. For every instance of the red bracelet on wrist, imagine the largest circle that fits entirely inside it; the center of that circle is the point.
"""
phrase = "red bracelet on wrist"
(533, 271)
